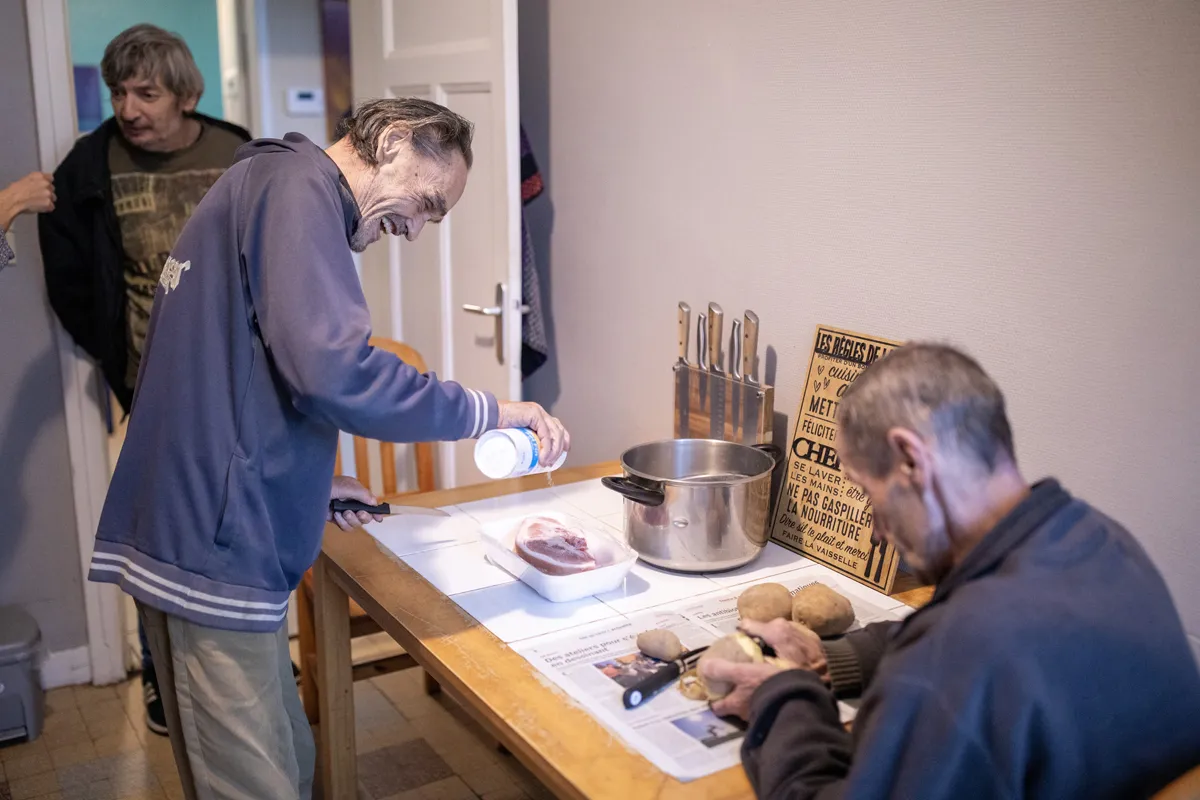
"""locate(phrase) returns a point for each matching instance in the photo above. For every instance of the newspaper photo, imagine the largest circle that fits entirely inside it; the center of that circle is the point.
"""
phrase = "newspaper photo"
(596, 664)
(684, 738)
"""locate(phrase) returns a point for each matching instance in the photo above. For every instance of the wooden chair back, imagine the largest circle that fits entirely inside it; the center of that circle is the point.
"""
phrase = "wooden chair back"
(387, 451)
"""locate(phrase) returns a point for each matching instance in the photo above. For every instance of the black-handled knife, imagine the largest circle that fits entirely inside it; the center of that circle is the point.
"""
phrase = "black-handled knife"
(338, 506)
(663, 677)
(660, 679)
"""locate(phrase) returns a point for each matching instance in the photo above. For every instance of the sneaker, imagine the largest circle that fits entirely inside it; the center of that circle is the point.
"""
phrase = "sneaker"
(156, 715)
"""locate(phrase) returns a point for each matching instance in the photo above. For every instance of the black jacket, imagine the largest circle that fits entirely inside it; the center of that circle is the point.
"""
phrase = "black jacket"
(1051, 663)
(81, 251)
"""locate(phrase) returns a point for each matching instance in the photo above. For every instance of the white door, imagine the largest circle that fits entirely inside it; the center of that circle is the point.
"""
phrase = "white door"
(462, 54)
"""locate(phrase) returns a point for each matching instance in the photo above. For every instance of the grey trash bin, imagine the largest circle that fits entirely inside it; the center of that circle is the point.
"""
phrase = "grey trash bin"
(22, 704)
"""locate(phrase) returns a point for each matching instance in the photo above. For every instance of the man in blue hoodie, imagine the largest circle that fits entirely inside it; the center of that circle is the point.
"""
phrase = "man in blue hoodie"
(257, 354)
(1050, 662)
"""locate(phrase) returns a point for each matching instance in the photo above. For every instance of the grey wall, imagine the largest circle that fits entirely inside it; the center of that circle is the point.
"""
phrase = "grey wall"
(293, 59)
(1020, 177)
(39, 553)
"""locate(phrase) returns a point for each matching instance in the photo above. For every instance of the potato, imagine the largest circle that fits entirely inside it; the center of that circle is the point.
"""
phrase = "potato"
(736, 647)
(822, 610)
(660, 644)
(691, 687)
(765, 602)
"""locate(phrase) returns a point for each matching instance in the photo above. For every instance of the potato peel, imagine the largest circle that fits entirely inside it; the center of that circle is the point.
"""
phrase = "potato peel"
(691, 687)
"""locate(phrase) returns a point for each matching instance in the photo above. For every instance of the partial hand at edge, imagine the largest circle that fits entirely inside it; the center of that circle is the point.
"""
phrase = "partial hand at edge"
(32, 193)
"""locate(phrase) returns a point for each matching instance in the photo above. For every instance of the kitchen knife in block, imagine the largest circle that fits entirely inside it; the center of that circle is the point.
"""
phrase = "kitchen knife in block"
(683, 373)
(733, 383)
(758, 400)
(753, 421)
(716, 388)
(698, 410)
(755, 426)
(699, 379)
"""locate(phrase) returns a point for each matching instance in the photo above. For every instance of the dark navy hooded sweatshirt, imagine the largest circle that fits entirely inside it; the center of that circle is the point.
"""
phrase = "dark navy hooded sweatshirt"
(257, 355)
(1050, 664)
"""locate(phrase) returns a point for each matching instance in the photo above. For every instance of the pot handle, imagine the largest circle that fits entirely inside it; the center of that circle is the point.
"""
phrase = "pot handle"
(635, 492)
(773, 450)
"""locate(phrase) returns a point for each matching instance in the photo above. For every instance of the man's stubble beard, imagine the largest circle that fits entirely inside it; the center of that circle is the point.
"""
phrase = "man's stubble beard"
(359, 241)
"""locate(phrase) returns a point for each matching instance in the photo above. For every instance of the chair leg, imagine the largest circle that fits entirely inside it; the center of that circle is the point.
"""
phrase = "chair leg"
(432, 687)
(306, 617)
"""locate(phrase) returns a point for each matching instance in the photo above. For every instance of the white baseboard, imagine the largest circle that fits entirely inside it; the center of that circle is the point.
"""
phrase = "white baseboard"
(66, 668)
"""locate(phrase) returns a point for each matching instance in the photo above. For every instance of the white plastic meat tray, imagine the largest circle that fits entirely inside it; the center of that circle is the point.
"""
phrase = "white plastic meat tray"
(499, 539)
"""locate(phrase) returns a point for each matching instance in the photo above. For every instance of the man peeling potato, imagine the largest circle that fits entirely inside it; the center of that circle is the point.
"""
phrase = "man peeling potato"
(1050, 662)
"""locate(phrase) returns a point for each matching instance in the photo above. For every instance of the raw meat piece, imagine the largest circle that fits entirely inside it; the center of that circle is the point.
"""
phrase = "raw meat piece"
(552, 547)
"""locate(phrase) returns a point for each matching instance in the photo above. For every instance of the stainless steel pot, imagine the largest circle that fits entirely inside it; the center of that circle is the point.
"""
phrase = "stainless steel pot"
(697, 505)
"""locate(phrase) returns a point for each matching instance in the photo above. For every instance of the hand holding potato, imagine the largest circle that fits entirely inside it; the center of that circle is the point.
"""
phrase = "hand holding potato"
(793, 643)
(743, 680)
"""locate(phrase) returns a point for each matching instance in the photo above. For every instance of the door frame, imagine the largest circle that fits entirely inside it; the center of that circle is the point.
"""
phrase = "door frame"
(54, 107)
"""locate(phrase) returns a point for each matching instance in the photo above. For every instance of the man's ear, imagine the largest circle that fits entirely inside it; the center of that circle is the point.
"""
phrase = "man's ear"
(188, 104)
(911, 455)
(395, 137)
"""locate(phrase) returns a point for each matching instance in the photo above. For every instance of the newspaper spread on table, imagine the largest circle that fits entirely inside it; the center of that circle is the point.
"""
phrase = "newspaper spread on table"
(594, 664)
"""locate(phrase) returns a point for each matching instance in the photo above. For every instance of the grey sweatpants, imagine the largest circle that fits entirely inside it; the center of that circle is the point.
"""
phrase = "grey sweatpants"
(237, 727)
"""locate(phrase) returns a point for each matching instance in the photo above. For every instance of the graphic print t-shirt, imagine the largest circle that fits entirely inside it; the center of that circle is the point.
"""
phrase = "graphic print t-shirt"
(154, 194)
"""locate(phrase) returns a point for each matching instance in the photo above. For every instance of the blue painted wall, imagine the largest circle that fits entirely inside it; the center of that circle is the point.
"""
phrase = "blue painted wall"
(94, 23)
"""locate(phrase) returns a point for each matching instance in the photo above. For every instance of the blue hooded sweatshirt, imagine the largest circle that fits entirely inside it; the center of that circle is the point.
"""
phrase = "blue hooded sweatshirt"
(257, 355)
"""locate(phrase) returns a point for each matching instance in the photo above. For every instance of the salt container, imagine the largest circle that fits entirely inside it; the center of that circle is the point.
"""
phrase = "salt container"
(511, 453)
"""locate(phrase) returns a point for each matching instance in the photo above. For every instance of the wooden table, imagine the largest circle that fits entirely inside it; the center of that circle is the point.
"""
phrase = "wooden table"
(564, 746)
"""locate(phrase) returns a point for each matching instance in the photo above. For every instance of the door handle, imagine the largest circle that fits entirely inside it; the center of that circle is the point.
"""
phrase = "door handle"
(496, 312)
(489, 311)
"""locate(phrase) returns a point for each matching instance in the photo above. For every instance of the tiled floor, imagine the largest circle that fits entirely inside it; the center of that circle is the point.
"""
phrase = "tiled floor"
(95, 746)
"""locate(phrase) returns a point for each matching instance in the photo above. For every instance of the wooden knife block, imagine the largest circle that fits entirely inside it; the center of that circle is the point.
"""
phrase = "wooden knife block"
(748, 420)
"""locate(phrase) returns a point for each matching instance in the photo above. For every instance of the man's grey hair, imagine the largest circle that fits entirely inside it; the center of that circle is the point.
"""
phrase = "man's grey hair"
(148, 52)
(436, 130)
(931, 389)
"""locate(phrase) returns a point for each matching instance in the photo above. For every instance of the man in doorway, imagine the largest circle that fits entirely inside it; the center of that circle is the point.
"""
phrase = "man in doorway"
(256, 356)
(126, 191)
(1050, 662)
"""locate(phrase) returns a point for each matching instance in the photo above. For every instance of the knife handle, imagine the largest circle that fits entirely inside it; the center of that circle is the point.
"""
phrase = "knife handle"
(702, 341)
(750, 347)
(338, 506)
(767, 650)
(715, 317)
(685, 330)
(735, 350)
(651, 685)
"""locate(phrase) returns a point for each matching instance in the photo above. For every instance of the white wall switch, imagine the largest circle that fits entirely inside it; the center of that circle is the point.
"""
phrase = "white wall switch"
(305, 102)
